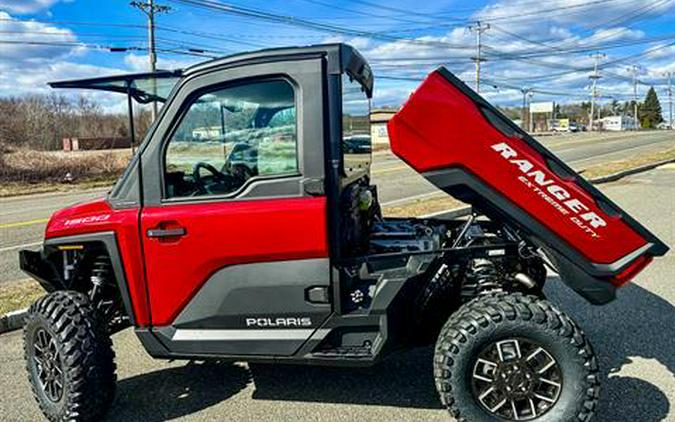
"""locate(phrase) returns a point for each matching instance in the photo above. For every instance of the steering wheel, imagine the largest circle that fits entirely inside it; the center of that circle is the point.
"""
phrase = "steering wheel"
(197, 177)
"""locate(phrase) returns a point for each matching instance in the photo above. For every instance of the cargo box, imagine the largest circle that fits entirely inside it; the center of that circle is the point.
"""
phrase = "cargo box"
(466, 147)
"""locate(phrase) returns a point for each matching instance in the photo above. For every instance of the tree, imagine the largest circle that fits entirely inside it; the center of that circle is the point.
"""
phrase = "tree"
(615, 107)
(650, 111)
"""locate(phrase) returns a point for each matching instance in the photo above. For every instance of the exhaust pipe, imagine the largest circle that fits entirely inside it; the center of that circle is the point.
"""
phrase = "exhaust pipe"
(525, 280)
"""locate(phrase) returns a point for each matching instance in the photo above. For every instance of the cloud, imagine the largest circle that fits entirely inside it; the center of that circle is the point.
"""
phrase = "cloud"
(614, 34)
(139, 63)
(33, 80)
(23, 7)
(541, 52)
(570, 12)
(20, 52)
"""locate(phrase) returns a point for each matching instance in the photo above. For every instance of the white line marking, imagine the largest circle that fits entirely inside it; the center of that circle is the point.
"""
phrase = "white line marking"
(25, 245)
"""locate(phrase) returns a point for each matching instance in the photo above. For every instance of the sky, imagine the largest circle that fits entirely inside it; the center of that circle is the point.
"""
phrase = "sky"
(542, 46)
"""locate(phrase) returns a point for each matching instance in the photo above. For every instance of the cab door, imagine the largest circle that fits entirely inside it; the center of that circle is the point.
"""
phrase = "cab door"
(234, 239)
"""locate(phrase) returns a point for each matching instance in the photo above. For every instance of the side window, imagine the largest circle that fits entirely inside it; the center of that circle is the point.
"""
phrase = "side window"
(231, 135)
(356, 141)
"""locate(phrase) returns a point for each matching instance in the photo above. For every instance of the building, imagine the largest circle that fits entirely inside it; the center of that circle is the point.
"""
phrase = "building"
(207, 132)
(378, 125)
(617, 123)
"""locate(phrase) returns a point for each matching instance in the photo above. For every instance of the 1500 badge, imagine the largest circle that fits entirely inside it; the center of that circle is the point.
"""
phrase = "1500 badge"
(86, 220)
(546, 188)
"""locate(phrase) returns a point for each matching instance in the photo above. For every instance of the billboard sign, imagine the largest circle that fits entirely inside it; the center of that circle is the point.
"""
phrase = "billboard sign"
(546, 107)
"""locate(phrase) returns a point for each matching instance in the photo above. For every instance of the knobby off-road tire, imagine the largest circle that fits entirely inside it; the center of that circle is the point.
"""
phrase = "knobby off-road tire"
(468, 361)
(69, 358)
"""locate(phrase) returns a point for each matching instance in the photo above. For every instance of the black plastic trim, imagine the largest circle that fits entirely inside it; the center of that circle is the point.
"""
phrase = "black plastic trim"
(109, 239)
(35, 265)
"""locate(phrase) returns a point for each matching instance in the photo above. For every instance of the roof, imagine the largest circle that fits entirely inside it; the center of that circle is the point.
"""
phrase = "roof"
(340, 58)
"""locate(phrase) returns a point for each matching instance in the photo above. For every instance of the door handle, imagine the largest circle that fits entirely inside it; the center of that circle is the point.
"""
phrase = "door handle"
(161, 233)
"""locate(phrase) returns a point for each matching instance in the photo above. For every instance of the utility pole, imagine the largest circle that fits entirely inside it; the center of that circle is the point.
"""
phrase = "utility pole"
(530, 94)
(670, 100)
(150, 9)
(634, 69)
(523, 112)
(594, 88)
(478, 28)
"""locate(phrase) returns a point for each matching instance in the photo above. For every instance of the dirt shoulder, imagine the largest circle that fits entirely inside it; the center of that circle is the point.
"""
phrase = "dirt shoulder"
(605, 169)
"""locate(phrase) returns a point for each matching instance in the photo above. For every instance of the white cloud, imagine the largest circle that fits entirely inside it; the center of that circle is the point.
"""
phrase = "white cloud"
(139, 63)
(614, 34)
(25, 32)
(33, 80)
(26, 6)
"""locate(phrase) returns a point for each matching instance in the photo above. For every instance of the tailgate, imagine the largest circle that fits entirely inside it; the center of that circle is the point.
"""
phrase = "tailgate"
(463, 145)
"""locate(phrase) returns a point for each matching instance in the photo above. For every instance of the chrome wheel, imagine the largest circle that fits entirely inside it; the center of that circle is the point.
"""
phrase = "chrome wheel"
(516, 379)
(47, 363)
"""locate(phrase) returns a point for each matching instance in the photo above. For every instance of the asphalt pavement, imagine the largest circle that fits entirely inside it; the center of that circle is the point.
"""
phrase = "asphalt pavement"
(22, 219)
(633, 337)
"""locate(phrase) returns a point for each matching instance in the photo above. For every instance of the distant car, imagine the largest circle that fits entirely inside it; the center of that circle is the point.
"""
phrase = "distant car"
(571, 127)
(357, 144)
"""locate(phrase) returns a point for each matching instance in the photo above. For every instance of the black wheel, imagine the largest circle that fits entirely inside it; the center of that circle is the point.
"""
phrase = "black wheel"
(69, 358)
(511, 357)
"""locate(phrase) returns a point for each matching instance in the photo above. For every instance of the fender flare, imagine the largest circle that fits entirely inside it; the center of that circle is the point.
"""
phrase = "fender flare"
(43, 270)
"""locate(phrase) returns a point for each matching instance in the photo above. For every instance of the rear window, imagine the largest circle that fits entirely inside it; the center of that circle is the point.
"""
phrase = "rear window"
(356, 142)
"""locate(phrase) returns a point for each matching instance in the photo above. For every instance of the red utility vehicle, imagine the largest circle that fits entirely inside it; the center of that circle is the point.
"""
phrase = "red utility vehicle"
(246, 228)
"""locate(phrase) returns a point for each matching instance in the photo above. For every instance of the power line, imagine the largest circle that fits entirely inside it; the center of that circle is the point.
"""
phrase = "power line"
(105, 48)
(306, 23)
(362, 13)
(519, 17)
(60, 22)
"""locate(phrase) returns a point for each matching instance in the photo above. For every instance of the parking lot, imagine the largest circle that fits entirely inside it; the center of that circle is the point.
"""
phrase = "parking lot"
(633, 337)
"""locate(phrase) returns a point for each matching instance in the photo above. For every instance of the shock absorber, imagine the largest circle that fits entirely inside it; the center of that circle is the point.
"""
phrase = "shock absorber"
(100, 278)
(482, 276)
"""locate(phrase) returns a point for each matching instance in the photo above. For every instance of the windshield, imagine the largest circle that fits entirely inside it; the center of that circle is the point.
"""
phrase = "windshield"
(142, 87)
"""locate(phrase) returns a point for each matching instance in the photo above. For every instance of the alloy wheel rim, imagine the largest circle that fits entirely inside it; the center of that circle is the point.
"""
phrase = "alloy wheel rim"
(47, 362)
(516, 379)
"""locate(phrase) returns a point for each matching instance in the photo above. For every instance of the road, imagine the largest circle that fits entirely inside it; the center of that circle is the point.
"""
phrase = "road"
(632, 336)
(22, 219)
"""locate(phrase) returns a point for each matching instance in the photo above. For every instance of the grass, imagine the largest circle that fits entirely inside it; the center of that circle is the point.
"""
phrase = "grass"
(422, 207)
(24, 171)
(18, 295)
(612, 167)
(17, 189)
